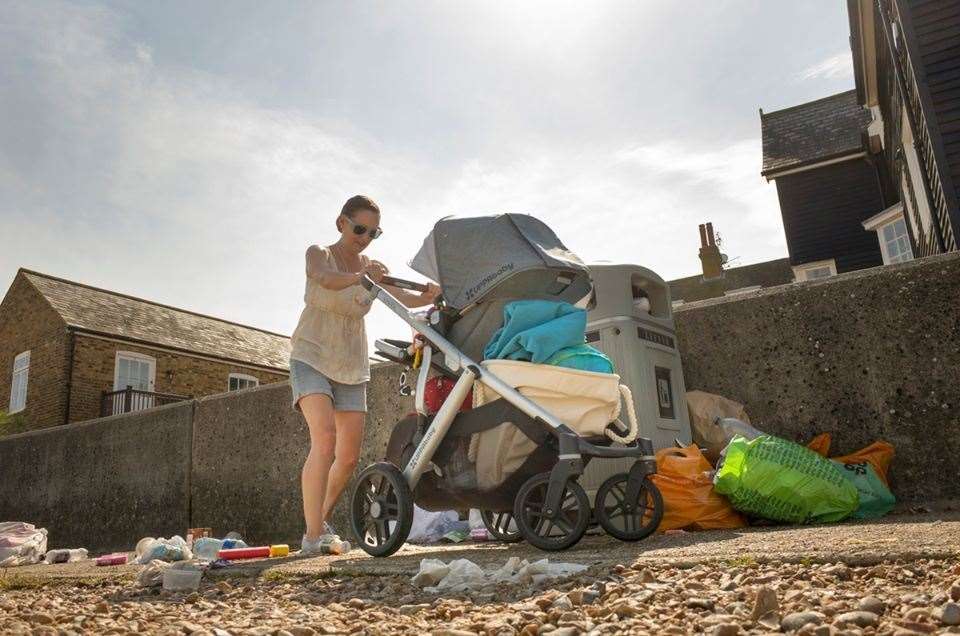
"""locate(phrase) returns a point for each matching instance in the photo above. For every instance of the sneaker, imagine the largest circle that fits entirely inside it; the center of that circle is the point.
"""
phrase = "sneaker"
(308, 547)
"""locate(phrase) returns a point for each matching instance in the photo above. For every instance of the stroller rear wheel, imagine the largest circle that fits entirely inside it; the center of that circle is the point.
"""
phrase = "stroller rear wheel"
(546, 531)
(501, 526)
(381, 509)
(628, 521)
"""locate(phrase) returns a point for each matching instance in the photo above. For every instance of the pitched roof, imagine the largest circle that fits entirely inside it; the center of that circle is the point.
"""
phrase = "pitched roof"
(94, 310)
(816, 131)
(766, 274)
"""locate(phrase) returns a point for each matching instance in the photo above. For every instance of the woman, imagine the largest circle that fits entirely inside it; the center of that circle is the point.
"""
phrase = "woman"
(329, 368)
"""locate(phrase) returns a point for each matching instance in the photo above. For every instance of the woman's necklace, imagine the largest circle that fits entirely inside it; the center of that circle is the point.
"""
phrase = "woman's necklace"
(337, 252)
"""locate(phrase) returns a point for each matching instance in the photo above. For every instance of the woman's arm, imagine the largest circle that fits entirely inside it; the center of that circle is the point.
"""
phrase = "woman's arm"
(318, 268)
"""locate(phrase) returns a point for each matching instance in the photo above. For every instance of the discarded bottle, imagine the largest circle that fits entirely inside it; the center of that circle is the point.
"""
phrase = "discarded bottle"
(334, 545)
(65, 556)
(207, 548)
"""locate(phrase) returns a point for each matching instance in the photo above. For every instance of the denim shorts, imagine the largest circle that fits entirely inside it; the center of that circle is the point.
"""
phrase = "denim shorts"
(305, 380)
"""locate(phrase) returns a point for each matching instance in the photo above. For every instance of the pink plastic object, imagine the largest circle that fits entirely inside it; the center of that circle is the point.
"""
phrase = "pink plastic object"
(112, 559)
(244, 553)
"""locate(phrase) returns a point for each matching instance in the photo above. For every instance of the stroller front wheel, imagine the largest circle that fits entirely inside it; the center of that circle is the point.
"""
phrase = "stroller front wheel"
(628, 521)
(547, 531)
(381, 509)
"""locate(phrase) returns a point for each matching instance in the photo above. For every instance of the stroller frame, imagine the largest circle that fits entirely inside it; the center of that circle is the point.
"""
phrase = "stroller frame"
(571, 446)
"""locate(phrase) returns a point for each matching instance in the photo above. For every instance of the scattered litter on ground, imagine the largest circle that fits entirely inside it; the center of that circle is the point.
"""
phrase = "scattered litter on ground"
(172, 549)
(21, 543)
(431, 527)
(116, 558)
(152, 574)
(462, 574)
(182, 576)
(63, 555)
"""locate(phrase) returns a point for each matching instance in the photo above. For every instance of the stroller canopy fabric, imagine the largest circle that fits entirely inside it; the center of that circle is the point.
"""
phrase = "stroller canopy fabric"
(470, 257)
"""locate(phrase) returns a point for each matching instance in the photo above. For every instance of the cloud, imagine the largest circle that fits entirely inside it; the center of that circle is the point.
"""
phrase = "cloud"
(839, 66)
(171, 183)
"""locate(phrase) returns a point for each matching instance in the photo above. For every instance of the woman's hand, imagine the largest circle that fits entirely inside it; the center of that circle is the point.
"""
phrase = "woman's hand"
(375, 270)
(429, 295)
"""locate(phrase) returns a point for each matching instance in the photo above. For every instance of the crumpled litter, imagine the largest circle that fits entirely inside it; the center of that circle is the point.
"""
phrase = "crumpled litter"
(152, 574)
(172, 549)
(21, 544)
(463, 574)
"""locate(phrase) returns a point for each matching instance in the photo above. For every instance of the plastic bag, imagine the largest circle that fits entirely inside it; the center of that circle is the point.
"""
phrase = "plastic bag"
(879, 455)
(876, 500)
(685, 479)
(21, 544)
(705, 409)
(430, 527)
(172, 549)
(779, 480)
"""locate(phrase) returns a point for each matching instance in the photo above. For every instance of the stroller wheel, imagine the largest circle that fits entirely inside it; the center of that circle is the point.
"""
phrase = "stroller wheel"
(381, 509)
(551, 532)
(501, 526)
(628, 521)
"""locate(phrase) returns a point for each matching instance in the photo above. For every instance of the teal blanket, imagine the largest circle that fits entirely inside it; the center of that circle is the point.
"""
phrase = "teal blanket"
(545, 332)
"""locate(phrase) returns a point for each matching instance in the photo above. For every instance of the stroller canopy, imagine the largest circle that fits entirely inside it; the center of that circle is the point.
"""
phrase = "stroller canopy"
(513, 255)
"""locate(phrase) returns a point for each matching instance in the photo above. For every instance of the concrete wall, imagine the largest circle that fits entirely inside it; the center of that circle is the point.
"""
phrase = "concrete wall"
(873, 354)
(101, 484)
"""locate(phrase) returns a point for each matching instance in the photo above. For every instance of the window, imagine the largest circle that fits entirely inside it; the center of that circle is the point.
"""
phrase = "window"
(891, 229)
(134, 370)
(815, 271)
(239, 381)
(18, 387)
(894, 242)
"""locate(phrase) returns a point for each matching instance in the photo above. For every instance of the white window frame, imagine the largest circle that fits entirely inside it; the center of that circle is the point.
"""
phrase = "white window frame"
(801, 272)
(18, 403)
(133, 355)
(245, 377)
(878, 222)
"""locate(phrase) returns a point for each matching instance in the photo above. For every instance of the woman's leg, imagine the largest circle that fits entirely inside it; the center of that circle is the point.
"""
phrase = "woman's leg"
(349, 440)
(317, 408)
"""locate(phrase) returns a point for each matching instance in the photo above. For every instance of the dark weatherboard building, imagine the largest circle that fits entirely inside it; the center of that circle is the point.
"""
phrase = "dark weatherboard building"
(872, 175)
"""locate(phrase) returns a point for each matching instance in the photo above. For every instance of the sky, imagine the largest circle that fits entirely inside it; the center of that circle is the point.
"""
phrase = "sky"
(189, 152)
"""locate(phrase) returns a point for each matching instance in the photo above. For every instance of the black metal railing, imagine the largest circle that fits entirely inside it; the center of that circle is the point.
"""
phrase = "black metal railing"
(940, 238)
(129, 399)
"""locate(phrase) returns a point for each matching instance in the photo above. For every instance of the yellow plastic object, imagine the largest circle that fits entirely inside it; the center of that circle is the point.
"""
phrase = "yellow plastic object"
(684, 479)
(417, 358)
(279, 550)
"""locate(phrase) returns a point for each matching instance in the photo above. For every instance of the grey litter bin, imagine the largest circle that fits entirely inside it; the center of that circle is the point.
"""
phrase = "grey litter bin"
(632, 322)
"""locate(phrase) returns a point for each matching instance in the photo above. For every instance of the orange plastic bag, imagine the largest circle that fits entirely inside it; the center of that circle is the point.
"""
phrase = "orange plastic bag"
(820, 444)
(685, 481)
(879, 454)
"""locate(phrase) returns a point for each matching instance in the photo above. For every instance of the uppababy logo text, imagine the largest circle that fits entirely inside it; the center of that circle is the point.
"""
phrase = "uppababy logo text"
(488, 279)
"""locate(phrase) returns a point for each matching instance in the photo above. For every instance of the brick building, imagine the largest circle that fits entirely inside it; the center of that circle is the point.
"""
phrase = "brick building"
(72, 352)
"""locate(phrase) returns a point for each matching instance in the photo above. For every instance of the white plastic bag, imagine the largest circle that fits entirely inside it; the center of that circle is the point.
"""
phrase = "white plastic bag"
(21, 544)
(152, 574)
(172, 549)
(429, 527)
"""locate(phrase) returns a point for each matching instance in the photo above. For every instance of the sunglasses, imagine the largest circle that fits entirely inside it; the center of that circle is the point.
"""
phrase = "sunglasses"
(360, 230)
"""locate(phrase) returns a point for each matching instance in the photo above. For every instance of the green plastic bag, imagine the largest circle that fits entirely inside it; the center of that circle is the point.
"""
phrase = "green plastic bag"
(776, 479)
(876, 499)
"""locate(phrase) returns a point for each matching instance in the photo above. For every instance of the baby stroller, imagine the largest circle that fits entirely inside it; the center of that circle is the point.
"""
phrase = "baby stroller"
(532, 428)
